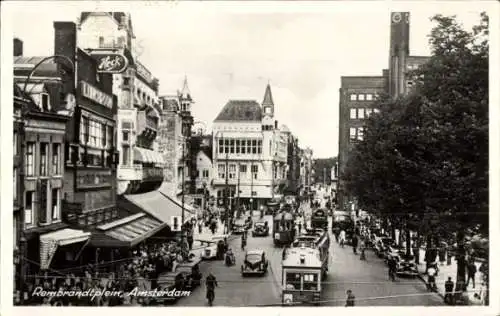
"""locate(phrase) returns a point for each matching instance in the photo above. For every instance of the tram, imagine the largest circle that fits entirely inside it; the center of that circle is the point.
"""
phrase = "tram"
(301, 276)
(319, 219)
(317, 239)
(283, 228)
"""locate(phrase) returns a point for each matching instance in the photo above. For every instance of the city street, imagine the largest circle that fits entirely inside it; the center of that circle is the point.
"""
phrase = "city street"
(367, 279)
(234, 290)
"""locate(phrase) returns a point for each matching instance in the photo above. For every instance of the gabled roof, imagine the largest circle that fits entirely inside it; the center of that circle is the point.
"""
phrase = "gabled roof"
(240, 110)
(268, 96)
(117, 16)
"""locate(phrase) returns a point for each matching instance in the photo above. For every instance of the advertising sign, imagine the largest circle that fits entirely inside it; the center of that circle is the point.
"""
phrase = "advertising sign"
(110, 62)
(96, 95)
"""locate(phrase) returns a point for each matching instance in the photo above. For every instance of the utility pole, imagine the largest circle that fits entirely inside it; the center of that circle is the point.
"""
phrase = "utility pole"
(226, 191)
(238, 193)
(251, 187)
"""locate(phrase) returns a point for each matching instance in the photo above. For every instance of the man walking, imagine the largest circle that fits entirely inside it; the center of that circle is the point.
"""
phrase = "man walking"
(354, 244)
(350, 300)
(471, 272)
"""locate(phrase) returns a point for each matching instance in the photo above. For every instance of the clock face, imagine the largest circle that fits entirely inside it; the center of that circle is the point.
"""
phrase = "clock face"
(396, 17)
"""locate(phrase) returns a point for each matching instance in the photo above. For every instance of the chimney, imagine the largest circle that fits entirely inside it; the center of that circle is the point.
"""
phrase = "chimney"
(65, 39)
(18, 47)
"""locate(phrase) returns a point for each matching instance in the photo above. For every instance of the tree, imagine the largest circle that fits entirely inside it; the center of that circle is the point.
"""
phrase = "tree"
(424, 157)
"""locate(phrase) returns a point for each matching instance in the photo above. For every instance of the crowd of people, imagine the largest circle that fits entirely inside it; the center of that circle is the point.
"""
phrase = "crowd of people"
(142, 269)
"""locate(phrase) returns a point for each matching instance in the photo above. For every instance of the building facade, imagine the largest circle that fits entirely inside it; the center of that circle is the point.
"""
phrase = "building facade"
(39, 141)
(358, 94)
(104, 35)
(249, 154)
(306, 171)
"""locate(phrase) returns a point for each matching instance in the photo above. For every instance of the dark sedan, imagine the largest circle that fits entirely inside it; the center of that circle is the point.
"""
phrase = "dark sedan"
(255, 263)
(260, 229)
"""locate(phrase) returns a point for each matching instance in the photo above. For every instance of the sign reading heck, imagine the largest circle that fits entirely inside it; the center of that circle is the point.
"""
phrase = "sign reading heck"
(111, 63)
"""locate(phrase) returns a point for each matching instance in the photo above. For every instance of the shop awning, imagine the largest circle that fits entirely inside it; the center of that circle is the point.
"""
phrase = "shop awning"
(50, 241)
(158, 205)
(126, 232)
(148, 156)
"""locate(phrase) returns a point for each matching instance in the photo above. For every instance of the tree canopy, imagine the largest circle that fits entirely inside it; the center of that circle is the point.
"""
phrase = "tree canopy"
(424, 156)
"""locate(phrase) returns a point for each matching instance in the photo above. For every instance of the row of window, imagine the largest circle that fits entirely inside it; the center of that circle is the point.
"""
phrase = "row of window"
(302, 281)
(43, 155)
(239, 146)
(95, 133)
(232, 171)
(30, 206)
(362, 97)
(361, 113)
(205, 173)
(356, 133)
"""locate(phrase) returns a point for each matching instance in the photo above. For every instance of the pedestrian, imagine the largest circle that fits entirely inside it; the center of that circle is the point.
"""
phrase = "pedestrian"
(300, 227)
(362, 248)
(350, 300)
(354, 244)
(190, 241)
(471, 272)
(448, 291)
(342, 238)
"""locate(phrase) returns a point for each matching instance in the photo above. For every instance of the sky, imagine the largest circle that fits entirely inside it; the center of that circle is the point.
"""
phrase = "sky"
(231, 50)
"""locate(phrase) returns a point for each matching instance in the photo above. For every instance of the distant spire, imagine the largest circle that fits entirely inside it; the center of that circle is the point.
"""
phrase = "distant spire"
(268, 97)
(185, 93)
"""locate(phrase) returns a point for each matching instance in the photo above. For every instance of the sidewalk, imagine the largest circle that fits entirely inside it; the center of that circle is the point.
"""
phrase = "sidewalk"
(446, 271)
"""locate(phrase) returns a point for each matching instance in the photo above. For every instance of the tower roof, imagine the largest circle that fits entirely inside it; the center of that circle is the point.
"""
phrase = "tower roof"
(240, 110)
(268, 96)
(185, 93)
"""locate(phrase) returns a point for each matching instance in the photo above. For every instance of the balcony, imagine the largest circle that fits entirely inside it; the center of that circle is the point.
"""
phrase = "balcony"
(129, 173)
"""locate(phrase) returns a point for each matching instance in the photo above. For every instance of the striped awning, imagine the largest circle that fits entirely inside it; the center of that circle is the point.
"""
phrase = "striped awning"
(50, 241)
(128, 231)
(148, 156)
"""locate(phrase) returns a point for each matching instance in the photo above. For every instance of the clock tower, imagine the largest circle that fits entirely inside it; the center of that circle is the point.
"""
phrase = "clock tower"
(268, 104)
(399, 51)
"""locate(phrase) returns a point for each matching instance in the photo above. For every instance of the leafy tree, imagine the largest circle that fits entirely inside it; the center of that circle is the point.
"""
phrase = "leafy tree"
(424, 157)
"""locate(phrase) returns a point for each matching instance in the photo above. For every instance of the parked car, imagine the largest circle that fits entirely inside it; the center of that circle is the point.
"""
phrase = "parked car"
(406, 265)
(210, 249)
(191, 271)
(381, 244)
(166, 282)
(255, 262)
(260, 228)
(393, 251)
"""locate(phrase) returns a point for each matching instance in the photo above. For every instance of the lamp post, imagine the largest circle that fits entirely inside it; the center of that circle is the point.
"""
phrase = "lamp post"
(44, 60)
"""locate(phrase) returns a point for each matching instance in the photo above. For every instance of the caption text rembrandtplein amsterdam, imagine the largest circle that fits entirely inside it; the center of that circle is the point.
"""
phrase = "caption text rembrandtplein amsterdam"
(39, 291)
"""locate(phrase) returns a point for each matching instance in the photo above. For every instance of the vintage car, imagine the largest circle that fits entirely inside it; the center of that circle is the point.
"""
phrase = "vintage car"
(239, 226)
(191, 272)
(381, 245)
(406, 265)
(210, 246)
(260, 228)
(393, 251)
(166, 282)
(255, 262)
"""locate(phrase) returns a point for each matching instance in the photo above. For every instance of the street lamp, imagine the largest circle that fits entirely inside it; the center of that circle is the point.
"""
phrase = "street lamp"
(41, 62)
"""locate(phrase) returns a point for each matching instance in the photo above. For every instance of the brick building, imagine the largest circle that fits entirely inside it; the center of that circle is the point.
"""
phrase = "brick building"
(358, 93)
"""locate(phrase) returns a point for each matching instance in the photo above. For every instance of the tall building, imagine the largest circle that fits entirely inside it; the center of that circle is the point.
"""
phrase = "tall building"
(358, 93)
(249, 153)
(306, 171)
(109, 37)
(174, 140)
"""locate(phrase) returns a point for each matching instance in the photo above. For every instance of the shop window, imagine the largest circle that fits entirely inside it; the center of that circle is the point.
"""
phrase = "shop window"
(353, 114)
